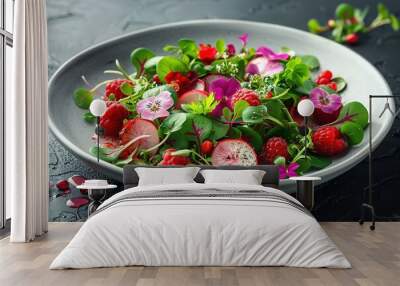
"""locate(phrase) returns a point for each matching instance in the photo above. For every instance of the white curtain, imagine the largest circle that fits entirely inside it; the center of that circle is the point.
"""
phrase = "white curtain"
(26, 124)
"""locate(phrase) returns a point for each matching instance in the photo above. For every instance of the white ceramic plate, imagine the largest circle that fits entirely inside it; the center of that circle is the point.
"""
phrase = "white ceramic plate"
(65, 119)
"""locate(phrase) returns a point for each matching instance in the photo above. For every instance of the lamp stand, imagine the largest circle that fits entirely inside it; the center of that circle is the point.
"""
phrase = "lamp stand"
(305, 135)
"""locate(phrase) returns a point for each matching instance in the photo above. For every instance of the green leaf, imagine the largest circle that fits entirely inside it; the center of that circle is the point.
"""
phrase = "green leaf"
(255, 114)
(394, 22)
(296, 72)
(355, 112)
(383, 12)
(305, 165)
(178, 140)
(344, 11)
(234, 133)
(240, 105)
(306, 88)
(353, 132)
(204, 106)
(197, 126)
(151, 64)
(83, 98)
(168, 64)
(89, 117)
(105, 154)
(253, 136)
(139, 57)
(170, 48)
(126, 88)
(173, 123)
(319, 162)
(182, 152)
(340, 82)
(219, 130)
(314, 26)
(276, 109)
(280, 161)
(337, 33)
(220, 45)
(188, 47)
(311, 61)
(227, 114)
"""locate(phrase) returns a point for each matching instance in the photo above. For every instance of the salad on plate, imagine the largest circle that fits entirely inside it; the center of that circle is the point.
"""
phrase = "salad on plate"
(223, 104)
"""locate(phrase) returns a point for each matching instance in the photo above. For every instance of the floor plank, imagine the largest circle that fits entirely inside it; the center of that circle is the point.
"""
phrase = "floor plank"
(375, 257)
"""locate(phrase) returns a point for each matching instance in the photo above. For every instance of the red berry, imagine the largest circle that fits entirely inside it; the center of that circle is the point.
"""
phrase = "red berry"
(207, 147)
(207, 53)
(332, 85)
(326, 74)
(62, 185)
(351, 38)
(114, 89)
(247, 95)
(113, 118)
(275, 146)
(328, 141)
(269, 94)
(323, 80)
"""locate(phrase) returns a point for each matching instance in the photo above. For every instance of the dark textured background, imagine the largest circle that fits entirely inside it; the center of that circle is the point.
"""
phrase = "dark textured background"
(74, 25)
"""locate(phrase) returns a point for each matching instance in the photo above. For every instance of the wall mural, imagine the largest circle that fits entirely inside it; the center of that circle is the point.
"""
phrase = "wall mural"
(214, 103)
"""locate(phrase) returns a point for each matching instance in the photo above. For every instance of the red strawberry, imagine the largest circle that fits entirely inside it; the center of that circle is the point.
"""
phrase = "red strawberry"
(328, 141)
(113, 118)
(207, 147)
(113, 89)
(322, 118)
(275, 146)
(171, 160)
(247, 95)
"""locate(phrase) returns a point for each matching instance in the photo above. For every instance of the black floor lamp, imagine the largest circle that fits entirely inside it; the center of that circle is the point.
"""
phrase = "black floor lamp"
(369, 205)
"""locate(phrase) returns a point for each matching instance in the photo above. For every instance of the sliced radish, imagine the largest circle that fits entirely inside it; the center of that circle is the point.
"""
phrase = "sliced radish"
(236, 152)
(137, 127)
(200, 85)
(191, 96)
(210, 78)
(263, 66)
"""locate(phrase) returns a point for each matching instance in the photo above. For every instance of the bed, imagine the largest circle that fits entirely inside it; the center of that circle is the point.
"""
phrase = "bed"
(201, 224)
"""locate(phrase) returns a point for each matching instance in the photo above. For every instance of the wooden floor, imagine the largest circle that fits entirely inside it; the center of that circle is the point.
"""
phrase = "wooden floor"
(375, 257)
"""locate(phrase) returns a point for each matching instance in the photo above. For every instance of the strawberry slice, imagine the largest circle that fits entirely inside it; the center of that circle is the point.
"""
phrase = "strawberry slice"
(137, 127)
(191, 96)
(236, 152)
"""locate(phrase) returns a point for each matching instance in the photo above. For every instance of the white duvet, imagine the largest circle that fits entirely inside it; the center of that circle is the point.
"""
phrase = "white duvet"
(200, 231)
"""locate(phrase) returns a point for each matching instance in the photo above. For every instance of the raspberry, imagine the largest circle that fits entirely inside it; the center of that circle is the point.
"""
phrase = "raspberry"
(328, 141)
(171, 160)
(275, 146)
(247, 95)
(113, 118)
(113, 89)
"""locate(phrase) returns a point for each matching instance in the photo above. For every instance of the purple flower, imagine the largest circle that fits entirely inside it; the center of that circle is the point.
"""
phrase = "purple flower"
(244, 39)
(287, 172)
(230, 49)
(263, 66)
(328, 103)
(155, 107)
(223, 90)
(270, 54)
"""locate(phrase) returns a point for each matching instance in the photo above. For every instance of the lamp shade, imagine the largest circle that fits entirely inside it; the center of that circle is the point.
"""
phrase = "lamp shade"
(98, 107)
(305, 107)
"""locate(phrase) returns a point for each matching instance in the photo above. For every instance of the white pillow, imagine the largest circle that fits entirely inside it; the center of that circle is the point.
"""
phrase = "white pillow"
(166, 176)
(248, 177)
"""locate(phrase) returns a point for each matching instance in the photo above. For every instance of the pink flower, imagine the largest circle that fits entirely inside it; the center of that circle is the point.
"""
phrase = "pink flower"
(155, 107)
(270, 54)
(328, 103)
(223, 90)
(244, 39)
(287, 172)
(230, 49)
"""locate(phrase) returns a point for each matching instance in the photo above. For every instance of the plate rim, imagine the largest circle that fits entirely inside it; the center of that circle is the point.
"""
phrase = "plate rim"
(341, 167)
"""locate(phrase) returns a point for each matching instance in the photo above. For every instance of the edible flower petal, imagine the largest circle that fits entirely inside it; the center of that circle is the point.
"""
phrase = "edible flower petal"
(289, 171)
(328, 103)
(244, 38)
(155, 107)
(207, 53)
(270, 54)
(230, 49)
(223, 90)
